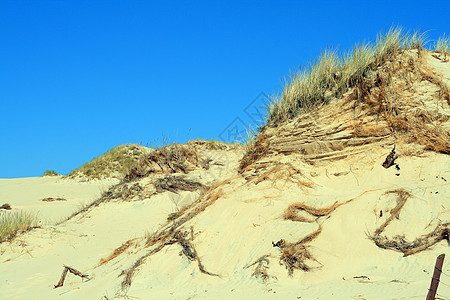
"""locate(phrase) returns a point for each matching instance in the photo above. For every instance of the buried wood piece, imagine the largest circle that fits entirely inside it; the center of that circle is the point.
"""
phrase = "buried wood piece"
(6, 206)
(51, 199)
(71, 270)
(390, 159)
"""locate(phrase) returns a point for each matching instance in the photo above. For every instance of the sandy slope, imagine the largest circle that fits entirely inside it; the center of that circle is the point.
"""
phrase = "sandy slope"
(238, 227)
(27, 194)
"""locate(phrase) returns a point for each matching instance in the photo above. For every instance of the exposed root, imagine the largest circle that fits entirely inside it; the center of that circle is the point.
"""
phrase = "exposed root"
(291, 213)
(170, 234)
(175, 237)
(255, 151)
(175, 183)
(275, 172)
(401, 200)
(389, 96)
(169, 159)
(296, 255)
(117, 251)
(400, 244)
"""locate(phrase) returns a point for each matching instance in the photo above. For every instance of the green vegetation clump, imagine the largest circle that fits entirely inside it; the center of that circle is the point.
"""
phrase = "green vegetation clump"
(333, 74)
(13, 223)
(216, 145)
(113, 164)
(50, 173)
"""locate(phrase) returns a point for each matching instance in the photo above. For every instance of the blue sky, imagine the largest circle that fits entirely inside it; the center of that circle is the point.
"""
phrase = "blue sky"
(78, 78)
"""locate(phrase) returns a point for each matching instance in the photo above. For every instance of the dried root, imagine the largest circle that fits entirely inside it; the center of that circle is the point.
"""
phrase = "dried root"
(169, 159)
(401, 200)
(174, 184)
(175, 237)
(296, 255)
(399, 243)
(117, 251)
(291, 212)
(262, 265)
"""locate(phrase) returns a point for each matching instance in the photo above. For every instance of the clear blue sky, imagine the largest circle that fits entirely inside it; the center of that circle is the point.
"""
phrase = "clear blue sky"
(78, 78)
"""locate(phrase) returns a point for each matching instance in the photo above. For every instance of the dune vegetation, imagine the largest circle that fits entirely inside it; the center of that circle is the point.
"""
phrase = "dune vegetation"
(332, 74)
(114, 164)
(13, 223)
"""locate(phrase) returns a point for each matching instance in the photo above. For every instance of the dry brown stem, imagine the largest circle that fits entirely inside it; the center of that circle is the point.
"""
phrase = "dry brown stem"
(175, 183)
(71, 270)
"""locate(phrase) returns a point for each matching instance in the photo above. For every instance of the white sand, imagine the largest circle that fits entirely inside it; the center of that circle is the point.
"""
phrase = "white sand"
(27, 194)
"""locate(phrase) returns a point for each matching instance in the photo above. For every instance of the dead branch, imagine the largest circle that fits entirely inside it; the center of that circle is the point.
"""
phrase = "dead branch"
(73, 271)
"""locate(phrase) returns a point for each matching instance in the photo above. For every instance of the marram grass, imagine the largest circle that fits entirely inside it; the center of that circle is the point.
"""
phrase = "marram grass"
(13, 223)
(332, 74)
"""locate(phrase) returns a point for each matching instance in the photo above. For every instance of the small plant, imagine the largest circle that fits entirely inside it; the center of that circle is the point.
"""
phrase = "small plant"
(50, 173)
(14, 223)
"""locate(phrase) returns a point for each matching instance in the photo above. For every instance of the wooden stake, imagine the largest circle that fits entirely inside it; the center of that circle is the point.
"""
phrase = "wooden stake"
(435, 279)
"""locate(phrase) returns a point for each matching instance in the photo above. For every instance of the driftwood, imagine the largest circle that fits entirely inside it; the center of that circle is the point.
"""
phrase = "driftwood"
(51, 199)
(71, 270)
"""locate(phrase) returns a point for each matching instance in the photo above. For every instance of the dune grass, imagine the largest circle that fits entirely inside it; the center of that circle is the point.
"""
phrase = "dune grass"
(114, 163)
(51, 173)
(332, 74)
(13, 223)
(442, 44)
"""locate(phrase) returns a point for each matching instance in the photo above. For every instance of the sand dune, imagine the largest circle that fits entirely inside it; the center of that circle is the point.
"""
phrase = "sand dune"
(312, 214)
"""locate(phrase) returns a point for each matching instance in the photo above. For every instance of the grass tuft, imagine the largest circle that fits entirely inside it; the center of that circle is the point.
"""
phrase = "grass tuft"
(442, 44)
(50, 173)
(333, 74)
(115, 163)
(11, 224)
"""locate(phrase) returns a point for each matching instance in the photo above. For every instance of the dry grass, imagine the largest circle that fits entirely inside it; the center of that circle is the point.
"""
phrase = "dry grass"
(175, 158)
(406, 120)
(215, 145)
